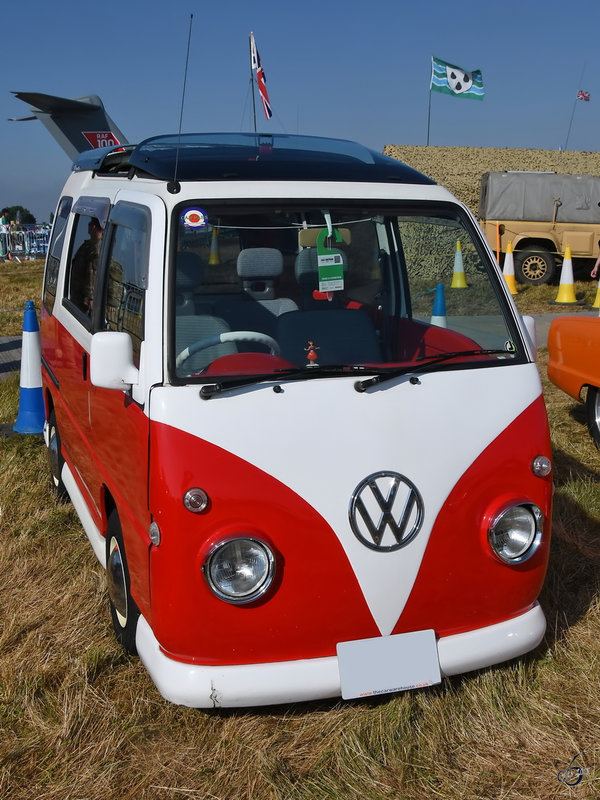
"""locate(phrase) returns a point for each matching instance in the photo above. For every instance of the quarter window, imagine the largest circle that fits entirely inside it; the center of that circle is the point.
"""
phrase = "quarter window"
(54, 253)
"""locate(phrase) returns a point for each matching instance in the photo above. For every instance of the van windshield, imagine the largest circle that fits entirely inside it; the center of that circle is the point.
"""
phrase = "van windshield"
(269, 287)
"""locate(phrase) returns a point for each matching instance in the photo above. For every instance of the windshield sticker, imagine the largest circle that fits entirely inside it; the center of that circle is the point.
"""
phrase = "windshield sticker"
(330, 263)
(194, 218)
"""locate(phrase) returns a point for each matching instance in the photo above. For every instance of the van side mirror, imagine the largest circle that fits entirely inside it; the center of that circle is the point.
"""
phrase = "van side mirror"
(529, 323)
(111, 361)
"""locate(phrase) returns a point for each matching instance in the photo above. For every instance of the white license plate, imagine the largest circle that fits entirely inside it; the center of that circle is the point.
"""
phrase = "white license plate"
(388, 664)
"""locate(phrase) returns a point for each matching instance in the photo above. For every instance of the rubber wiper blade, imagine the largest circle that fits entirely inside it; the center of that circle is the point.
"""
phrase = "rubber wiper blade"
(422, 365)
(209, 390)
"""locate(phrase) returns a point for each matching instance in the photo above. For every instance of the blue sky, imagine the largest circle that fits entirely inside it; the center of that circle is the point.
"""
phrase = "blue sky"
(343, 68)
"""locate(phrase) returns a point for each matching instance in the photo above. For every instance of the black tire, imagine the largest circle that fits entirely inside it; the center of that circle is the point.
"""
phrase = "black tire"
(535, 265)
(55, 458)
(124, 612)
(592, 408)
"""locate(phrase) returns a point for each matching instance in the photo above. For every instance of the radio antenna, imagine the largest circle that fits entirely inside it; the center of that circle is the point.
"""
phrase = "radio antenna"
(174, 187)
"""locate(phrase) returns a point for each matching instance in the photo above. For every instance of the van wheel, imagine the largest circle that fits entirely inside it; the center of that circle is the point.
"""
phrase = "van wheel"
(55, 459)
(123, 609)
(592, 407)
(534, 265)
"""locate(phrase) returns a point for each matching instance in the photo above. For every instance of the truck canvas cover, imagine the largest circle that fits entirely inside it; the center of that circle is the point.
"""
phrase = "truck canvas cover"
(534, 195)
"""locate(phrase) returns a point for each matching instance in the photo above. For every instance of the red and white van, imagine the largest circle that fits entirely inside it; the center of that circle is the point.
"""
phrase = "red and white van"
(295, 408)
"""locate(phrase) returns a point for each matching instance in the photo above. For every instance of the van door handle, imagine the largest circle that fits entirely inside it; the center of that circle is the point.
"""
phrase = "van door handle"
(84, 365)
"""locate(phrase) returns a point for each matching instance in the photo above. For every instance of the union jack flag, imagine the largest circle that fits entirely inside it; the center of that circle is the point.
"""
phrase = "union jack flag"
(581, 95)
(260, 78)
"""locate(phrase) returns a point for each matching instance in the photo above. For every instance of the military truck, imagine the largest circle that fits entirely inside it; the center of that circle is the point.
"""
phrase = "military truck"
(540, 213)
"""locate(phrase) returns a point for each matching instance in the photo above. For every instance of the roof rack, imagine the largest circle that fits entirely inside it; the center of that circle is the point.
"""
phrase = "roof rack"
(249, 156)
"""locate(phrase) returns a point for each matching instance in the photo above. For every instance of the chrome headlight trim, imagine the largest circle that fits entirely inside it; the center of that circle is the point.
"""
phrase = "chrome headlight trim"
(231, 562)
(517, 527)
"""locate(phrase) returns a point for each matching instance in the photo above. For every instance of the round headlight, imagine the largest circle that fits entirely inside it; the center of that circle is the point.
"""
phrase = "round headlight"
(240, 570)
(516, 532)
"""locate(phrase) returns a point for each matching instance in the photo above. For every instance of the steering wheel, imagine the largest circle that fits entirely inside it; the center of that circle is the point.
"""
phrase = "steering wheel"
(228, 336)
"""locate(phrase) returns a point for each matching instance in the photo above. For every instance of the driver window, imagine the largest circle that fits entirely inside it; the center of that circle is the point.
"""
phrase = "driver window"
(87, 241)
(124, 279)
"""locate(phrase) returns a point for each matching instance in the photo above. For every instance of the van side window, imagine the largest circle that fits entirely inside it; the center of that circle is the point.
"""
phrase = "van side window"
(125, 272)
(54, 253)
(85, 250)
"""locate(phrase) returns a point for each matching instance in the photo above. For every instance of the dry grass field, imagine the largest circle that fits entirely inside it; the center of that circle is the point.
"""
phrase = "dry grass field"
(79, 720)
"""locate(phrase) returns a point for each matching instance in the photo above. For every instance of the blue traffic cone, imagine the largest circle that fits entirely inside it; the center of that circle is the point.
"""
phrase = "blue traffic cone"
(31, 416)
(439, 307)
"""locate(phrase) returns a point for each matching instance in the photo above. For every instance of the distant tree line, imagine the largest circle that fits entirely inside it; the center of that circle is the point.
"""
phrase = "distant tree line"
(18, 215)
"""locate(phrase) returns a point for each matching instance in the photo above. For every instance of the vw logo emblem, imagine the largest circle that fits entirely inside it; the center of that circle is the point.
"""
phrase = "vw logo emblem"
(386, 511)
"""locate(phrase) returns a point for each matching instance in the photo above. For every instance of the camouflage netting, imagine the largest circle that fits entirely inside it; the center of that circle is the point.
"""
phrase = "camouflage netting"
(459, 169)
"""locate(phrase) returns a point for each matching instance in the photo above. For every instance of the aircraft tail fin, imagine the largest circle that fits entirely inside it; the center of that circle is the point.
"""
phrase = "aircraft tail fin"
(77, 124)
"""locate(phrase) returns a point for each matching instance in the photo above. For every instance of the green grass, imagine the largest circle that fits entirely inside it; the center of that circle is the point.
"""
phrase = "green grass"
(541, 299)
(79, 720)
(19, 282)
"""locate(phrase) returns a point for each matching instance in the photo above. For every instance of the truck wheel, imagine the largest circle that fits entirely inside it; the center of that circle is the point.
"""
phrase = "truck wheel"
(592, 407)
(123, 610)
(55, 459)
(535, 266)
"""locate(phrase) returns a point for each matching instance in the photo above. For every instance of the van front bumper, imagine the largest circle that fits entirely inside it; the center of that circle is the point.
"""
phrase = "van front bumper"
(319, 678)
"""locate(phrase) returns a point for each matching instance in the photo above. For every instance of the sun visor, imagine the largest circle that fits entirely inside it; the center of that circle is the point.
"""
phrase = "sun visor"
(93, 207)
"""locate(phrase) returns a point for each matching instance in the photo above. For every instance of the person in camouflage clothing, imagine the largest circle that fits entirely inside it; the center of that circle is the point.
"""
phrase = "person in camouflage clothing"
(83, 268)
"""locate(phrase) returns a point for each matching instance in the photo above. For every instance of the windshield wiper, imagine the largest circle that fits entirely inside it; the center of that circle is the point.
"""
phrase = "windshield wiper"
(290, 374)
(423, 364)
(308, 372)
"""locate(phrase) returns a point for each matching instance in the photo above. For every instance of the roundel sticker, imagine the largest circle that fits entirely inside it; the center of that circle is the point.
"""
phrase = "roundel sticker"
(194, 218)
(386, 511)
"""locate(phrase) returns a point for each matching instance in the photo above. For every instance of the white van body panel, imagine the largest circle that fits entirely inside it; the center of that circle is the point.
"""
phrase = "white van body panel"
(319, 678)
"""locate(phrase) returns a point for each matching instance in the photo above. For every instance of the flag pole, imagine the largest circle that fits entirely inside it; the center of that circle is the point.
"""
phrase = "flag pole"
(570, 123)
(575, 104)
(428, 116)
(429, 103)
(252, 82)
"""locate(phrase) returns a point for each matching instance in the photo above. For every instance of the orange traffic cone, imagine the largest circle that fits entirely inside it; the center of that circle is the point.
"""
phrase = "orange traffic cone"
(566, 290)
(509, 269)
(458, 276)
